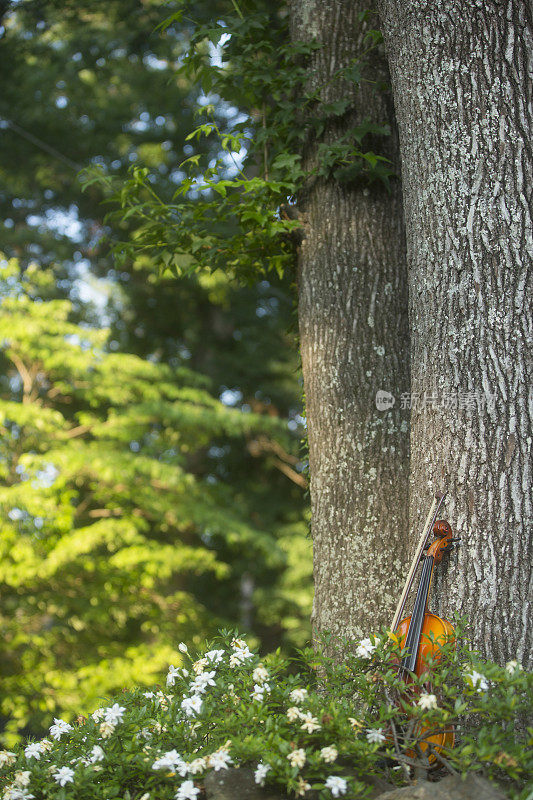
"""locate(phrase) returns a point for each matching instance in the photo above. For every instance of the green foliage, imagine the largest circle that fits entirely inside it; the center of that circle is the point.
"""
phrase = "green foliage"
(106, 91)
(88, 83)
(238, 337)
(234, 210)
(116, 536)
(313, 724)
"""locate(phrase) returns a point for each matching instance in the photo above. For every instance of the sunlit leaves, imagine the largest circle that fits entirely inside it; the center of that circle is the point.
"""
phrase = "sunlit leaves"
(112, 529)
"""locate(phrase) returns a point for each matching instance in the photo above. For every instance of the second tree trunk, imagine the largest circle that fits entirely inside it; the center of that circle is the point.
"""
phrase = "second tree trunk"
(352, 295)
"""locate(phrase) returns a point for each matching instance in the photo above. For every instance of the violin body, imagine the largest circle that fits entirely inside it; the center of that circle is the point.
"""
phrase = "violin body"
(435, 632)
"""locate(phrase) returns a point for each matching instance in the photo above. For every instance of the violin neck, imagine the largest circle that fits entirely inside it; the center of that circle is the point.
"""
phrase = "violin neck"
(417, 617)
(426, 532)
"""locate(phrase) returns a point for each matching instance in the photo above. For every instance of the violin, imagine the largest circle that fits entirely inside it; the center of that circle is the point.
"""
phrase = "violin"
(421, 634)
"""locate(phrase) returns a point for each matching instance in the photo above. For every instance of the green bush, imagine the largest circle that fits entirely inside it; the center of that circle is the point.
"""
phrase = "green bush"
(311, 724)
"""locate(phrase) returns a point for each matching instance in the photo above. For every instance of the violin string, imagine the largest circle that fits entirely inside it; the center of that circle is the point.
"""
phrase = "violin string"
(426, 579)
(417, 617)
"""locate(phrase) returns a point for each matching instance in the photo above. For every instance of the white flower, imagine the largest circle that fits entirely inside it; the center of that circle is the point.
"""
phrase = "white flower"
(336, 785)
(17, 793)
(187, 791)
(99, 713)
(214, 656)
(303, 787)
(59, 727)
(261, 772)
(45, 744)
(192, 705)
(171, 761)
(260, 675)
(297, 758)
(258, 692)
(298, 695)
(64, 775)
(163, 698)
(293, 713)
(171, 677)
(329, 754)
(427, 701)
(7, 757)
(22, 777)
(182, 647)
(148, 696)
(220, 759)
(114, 714)
(310, 723)
(241, 650)
(375, 735)
(202, 681)
(365, 648)
(197, 765)
(182, 768)
(33, 750)
(106, 729)
(185, 673)
(478, 681)
(513, 666)
(200, 665)
(97, 754)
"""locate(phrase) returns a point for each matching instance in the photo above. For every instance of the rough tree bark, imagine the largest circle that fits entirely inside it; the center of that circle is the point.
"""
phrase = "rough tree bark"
(461, 77)
(354, 341)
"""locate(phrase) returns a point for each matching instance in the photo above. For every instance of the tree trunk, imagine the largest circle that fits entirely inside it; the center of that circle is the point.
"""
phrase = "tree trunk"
(461, 77)
(352, 288)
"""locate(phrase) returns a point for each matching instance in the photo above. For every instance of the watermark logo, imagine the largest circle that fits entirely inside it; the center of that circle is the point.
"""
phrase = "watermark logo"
(384, 400)
(467, 401)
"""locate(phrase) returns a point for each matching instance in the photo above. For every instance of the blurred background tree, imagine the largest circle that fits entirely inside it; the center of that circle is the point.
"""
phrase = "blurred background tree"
(188, 405)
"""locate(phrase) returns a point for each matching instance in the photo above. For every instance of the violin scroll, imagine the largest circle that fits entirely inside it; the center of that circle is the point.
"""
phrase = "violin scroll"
(442, 528)
(443, 533)
(444, 540)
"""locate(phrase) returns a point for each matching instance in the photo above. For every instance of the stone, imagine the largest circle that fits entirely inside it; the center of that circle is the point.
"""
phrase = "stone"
(376, 785)
(237, 784)
(453, 787)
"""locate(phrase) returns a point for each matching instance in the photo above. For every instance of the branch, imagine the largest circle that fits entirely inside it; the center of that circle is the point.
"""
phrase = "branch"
(443, 760)
(78, 431)
(25, 374)
(263, 445)
(291, 473)
(99, 513)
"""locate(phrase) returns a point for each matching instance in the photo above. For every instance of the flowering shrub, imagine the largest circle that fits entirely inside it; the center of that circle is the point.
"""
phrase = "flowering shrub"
(324, 728)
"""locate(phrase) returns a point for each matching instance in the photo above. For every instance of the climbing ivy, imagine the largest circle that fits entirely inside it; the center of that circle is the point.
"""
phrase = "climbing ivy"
(264, 123)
